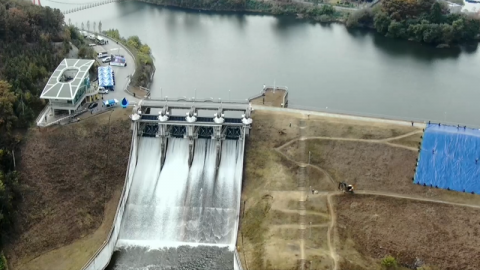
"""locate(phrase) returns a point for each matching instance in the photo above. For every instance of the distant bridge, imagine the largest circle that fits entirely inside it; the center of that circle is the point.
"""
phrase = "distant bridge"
(80, 7)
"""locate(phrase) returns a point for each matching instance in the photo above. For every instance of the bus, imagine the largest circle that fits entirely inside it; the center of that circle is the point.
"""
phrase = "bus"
(101, 40)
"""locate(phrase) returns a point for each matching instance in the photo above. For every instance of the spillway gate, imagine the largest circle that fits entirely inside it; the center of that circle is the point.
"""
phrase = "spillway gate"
(157, 118)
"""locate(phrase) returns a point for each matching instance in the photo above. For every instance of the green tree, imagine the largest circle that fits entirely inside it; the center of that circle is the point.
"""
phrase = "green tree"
(88, 25)
(100, 27)
(83, 26)
(436, 14)
(396, 30)
(94, 26)
(7, 102)
(381, 22)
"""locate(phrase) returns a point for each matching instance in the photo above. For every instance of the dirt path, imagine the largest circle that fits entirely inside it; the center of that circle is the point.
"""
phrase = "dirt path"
(384, 141)
(330, 238)
(301, 212)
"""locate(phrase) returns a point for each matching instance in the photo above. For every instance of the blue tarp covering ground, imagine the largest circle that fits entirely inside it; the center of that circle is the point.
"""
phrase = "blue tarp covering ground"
(105, 76)
(450, 158)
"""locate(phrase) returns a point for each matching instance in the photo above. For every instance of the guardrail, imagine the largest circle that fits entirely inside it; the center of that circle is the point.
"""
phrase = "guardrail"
(266, 88)
(42, 113)
(101, 258)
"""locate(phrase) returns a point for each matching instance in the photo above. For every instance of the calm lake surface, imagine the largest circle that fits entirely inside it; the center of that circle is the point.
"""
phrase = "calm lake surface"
(323, 66)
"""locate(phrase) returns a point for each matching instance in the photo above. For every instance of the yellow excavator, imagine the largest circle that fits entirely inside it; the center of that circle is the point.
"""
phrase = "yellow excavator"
(345, 187)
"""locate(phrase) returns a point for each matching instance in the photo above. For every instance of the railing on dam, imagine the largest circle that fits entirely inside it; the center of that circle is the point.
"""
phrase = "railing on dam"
(101, 258)
(154, 118)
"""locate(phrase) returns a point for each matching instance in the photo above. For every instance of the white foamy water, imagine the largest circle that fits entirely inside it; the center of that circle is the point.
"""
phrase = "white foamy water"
(182, 205)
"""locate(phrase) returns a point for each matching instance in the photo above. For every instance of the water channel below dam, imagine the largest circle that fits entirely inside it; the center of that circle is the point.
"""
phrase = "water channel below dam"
(326, 67)
(178, 214)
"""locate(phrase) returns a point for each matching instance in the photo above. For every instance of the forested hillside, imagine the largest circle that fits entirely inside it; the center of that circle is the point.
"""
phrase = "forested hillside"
(313, 12)
(33, 41)
(427, 21)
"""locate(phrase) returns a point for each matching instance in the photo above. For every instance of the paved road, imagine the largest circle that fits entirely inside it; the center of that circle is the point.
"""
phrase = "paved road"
(121, 73)
(336, 7)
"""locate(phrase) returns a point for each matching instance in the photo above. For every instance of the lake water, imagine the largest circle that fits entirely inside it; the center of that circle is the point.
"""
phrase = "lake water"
(326, 67)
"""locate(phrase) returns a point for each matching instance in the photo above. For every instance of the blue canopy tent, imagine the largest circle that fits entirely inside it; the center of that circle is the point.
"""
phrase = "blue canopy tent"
(124, 103)
(105, 77)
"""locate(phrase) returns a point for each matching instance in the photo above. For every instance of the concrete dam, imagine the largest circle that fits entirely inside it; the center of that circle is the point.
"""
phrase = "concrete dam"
(182, 198)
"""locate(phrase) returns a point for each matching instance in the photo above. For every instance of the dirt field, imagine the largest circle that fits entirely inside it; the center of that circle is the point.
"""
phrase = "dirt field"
(443, 236)
(285, 226)
(66, 194)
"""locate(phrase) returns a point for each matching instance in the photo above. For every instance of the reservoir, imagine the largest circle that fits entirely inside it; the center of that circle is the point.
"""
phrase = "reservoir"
(325, 66)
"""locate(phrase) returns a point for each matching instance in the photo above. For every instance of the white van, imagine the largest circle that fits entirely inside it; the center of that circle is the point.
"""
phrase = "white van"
(102, 54)
(102, 90)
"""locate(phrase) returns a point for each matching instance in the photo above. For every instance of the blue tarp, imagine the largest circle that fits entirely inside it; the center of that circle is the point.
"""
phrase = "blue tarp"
(450, 158)
(105, 76)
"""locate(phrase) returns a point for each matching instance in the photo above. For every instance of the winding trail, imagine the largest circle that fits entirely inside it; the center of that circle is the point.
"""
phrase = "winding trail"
(333, 223)
(386, 141)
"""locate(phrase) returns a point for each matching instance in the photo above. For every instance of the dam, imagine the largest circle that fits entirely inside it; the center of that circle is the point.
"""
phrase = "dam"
(181, 201)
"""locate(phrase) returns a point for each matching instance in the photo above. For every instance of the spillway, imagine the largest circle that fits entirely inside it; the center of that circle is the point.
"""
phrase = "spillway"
(176, 216)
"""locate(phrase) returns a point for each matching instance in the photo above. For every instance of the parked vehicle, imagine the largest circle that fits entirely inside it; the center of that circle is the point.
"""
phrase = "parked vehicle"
(102, 90)
(101, 40)
(106, 60)
(92, 105)
(102, 54)
(110, 102)
(92, 44)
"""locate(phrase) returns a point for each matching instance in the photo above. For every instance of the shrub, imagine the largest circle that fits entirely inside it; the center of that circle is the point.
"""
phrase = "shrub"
(389, 262)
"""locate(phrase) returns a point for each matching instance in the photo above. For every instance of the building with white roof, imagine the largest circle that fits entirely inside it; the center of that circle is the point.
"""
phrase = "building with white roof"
(67, 87)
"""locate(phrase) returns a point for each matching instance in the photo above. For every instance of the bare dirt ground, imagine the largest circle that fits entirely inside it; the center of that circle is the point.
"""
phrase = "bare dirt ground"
(440, 235)
(68, 191)
(378, 158)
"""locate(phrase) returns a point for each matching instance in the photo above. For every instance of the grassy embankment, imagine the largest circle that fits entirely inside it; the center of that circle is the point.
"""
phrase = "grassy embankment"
(71, 179)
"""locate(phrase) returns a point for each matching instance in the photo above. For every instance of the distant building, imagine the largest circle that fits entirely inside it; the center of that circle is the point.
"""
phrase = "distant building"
(454, 8)
(67, 87)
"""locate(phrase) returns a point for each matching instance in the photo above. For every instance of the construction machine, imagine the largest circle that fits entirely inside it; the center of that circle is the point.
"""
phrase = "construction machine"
(345, 187)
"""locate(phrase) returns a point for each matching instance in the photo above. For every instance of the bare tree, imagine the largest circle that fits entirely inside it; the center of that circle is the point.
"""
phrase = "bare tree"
(100, 27)
(69, 22)
(88, 25)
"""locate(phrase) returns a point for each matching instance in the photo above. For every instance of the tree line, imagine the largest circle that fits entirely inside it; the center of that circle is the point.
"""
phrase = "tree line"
(427, 21)
(314, 12)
